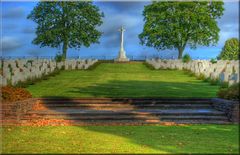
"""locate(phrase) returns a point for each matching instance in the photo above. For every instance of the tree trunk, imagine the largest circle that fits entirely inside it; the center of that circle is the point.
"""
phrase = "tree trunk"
(180, 52)
(65, 47)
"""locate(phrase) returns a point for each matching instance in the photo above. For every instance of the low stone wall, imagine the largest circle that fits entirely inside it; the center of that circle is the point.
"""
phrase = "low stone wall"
(20, 70)
(224, 70)
(15, 110)
(231, 108)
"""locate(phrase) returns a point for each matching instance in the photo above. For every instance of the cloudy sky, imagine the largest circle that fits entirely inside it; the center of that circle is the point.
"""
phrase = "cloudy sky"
(18, 32)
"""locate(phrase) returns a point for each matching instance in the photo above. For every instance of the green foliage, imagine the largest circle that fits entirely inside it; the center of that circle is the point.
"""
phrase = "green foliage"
(207, 80)
(201, 77)
(213, 61)
(17, 65)
(224, 85)
(192, 74)
(59, 57)
(66, 24)
(165, 61)
(231, 93)
(214, 81)
(173, 25)
(189, 72)
(9, 83)
(10, 69)
(230, 50)
(30, 61)
(186, 58)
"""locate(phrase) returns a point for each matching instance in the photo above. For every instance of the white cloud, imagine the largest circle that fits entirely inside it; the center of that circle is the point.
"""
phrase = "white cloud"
(10, 43)
(112, 23)
(15, 12)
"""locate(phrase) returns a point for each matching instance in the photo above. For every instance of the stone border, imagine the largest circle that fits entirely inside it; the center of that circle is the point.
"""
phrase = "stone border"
(231, 108)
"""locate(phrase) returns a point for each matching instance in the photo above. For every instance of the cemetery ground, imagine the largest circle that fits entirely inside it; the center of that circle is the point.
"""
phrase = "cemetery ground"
(132, 79)
(123, 80)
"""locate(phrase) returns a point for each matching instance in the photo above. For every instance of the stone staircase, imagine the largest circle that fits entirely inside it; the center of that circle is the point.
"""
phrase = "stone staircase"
(127, 111)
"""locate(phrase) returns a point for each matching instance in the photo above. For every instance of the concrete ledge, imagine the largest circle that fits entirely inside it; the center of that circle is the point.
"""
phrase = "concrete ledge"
(231, 108)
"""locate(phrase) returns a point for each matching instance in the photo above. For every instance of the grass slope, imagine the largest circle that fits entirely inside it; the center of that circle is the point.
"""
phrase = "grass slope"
(122, 139)
(123, 80)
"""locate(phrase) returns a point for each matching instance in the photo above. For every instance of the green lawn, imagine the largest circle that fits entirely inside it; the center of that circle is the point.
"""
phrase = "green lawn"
(122, 139)
(123, 80)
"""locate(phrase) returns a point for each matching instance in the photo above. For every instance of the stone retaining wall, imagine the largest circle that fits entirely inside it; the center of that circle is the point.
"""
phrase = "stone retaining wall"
(20, 70)
(224, 70)
(231, 108)
(15, 110)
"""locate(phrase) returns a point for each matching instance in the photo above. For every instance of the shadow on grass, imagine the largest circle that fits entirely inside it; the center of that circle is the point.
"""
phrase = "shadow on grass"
(116, 88)
(134, 88)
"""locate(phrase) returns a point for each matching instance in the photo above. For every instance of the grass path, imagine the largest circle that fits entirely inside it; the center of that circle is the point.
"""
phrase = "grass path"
(203, 139)
(123, 80)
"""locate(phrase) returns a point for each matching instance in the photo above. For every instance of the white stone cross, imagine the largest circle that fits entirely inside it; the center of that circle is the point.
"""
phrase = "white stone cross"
(122, 54)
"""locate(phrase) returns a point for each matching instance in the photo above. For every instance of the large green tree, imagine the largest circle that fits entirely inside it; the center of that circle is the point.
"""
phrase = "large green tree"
(230, 50)
(173, 25)
(66, 24)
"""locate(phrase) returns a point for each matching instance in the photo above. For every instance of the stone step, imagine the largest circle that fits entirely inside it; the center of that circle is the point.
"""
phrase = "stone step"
(124, 99)
(128, 117)
(200, 117)
(133, 122)
(125, 111)
(128, 112)
(82, 101)
(201, 122)
(124, 106)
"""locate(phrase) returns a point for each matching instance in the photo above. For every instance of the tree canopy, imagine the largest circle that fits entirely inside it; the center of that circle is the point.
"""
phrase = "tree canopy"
(230, 51)
(173, 25)
(66, 24)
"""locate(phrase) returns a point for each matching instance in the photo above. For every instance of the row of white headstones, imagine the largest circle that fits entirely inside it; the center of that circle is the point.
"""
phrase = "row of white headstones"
(21, 70)
(223, 70)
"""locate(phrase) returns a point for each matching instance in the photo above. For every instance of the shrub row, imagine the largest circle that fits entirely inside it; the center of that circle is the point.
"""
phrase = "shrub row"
(11, 94)
(230, 93)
